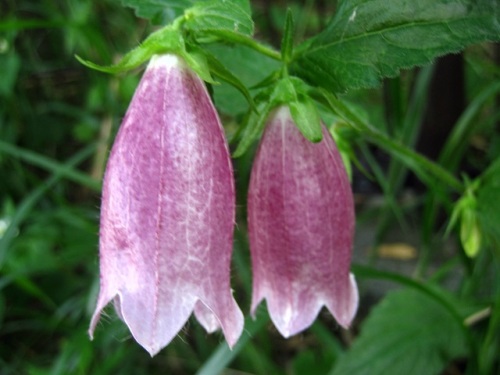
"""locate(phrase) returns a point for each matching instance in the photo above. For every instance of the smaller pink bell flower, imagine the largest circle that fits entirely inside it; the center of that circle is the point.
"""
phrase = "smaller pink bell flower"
(167, 212)
(301, 226)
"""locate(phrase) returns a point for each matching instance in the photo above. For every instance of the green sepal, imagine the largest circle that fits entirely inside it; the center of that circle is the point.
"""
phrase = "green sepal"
(252, 127)
(165, 40)
(294, 93)
(197, 61)
(219, 70)
(289, 91)
(306, 117)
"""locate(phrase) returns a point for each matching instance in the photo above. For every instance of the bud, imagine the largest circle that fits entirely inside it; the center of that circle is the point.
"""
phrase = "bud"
(301, 226)
(470, 232)
(167, 212)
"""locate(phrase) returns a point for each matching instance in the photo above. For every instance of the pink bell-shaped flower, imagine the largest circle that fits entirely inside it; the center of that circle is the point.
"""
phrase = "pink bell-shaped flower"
(301, 227)
(167, 212)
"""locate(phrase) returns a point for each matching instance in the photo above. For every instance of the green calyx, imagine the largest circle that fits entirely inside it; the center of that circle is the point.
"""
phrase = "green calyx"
(289, 91)
(165, 40)
(466, 211)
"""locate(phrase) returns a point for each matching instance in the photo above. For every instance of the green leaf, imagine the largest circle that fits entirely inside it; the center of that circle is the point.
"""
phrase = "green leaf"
(197, 60)
(219, 15)
(407, 333)
(158, 11)
(369, 40)
(311, 362)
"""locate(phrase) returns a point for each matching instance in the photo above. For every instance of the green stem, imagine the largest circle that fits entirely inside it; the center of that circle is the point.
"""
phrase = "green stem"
(422, 166)
(249, 42)
(223, 356)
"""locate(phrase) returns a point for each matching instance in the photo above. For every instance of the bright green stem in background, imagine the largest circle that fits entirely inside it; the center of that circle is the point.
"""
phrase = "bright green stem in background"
(423, 167)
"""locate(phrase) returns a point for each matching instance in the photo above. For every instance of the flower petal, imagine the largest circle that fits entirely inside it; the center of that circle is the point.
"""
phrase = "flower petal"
(167, 212)
(301, 226)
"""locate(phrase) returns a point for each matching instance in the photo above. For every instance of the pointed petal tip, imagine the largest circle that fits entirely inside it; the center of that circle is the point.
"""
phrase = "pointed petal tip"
(289, 321)
(345, 311)
(152, 350)
(290, 327)
(230, 321)
(93, 323)
(233, 332)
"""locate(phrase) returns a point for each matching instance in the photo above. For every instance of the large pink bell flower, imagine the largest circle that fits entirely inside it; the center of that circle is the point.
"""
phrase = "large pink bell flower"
(301, 227)
(167, 213)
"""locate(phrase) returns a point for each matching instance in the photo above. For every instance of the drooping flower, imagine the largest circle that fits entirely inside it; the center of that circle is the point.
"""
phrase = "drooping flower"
(301, 227)
(167, 212)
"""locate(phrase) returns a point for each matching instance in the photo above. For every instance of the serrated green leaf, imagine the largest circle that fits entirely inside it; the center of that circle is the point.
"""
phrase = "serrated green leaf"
(407, 333)
(158, 11)
(369, 40)
(219, 15)
(306, 117)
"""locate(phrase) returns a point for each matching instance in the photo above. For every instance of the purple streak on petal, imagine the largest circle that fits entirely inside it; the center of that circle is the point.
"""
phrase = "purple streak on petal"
(167, 212)
(301, 226)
